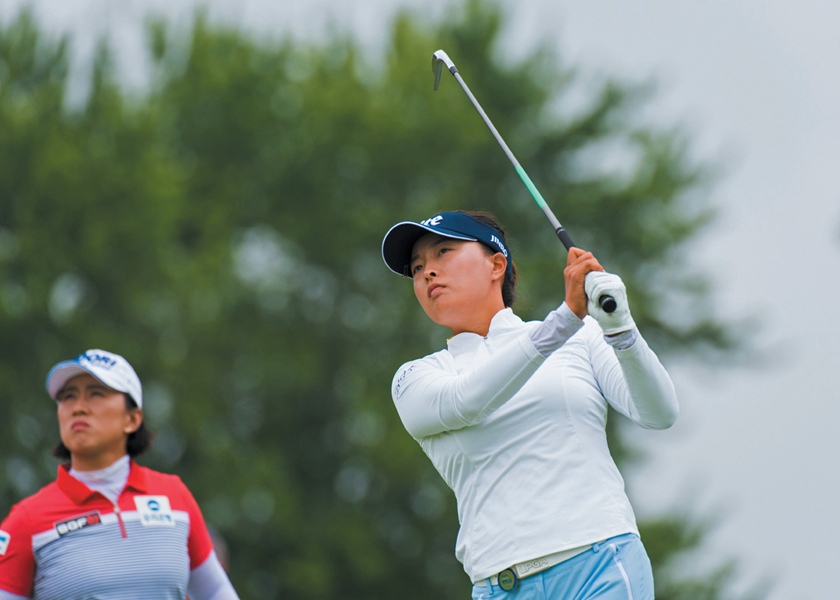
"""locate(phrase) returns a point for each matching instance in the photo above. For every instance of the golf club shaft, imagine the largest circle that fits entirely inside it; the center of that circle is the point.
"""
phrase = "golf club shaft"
(606, 302)
(558, 228)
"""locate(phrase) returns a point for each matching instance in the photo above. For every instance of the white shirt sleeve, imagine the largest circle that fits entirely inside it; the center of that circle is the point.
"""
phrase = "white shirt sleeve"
(4, 595)
(635, 383)
(555, 330)
(431, 399)
(208, 581)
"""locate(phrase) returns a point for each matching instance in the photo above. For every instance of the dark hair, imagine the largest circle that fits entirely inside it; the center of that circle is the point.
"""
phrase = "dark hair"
(137, 443)
(509, 283)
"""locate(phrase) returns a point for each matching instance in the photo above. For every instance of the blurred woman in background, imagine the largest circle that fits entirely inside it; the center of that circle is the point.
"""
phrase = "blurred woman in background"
(107, 528)
(513, 414)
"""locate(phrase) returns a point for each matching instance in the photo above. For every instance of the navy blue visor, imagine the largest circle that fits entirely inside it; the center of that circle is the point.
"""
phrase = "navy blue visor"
(400, 239)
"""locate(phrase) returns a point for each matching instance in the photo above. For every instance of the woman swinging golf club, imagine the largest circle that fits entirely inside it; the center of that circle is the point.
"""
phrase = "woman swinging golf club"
(513, 414)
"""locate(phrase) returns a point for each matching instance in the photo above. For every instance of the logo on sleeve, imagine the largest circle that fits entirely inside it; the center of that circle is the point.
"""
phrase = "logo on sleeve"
(76, 523)
(5, 538)
(401, 380)
(154, 510)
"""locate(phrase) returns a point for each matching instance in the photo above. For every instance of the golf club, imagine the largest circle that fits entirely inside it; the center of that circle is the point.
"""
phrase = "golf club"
(439, 59)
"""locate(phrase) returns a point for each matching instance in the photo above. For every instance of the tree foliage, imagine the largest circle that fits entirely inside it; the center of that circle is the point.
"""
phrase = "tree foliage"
(222, 233)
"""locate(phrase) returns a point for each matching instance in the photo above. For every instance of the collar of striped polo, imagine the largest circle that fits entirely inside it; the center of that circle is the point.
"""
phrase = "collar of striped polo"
(79, 493)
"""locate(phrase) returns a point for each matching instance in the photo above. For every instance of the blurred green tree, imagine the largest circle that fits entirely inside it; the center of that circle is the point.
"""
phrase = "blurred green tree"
(222, 232)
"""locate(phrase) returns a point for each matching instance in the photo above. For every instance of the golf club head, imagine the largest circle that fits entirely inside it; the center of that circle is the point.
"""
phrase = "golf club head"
(439, 59)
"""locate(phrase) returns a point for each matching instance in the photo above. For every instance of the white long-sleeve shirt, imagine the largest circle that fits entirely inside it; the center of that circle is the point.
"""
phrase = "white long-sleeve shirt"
(520, 438)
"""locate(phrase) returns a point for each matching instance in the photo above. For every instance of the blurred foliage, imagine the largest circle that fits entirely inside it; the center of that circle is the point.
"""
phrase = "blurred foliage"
(222, 232)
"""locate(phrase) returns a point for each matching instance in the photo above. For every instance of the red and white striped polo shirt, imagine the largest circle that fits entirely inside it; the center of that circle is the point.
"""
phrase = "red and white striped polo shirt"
(67, 541)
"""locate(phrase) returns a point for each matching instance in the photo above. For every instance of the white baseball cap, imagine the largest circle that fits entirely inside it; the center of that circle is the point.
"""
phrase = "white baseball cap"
(109, 368)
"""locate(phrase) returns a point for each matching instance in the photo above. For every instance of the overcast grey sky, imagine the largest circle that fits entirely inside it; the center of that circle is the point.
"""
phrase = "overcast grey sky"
(756, 83)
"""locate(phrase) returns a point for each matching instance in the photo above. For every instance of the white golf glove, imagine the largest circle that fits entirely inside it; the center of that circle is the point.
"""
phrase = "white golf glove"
(599, 283)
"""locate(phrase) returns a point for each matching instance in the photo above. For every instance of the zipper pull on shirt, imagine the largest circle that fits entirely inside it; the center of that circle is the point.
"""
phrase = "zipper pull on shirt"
(120, 520)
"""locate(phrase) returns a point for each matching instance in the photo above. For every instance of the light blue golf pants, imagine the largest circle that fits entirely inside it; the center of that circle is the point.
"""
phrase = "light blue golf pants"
(616, 569)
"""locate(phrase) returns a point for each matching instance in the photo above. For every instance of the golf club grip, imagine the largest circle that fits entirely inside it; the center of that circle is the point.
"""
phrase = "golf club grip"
(565, 238)
(606, 302)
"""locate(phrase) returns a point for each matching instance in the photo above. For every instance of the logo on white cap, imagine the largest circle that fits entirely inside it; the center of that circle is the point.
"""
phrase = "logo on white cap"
(97, 358)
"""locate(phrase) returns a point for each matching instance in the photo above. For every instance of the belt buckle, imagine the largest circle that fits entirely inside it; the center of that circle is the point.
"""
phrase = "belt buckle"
(508, 579)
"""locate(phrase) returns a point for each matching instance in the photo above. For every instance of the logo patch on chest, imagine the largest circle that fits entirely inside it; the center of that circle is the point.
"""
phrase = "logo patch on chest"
(5, 538)
(76, 523)
(154, 510)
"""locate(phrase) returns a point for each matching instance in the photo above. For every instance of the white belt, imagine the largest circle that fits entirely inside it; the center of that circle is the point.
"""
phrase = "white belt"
(532, 567)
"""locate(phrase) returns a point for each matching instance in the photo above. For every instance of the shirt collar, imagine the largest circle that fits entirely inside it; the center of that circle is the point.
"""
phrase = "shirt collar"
(79, 493)
(502, 322)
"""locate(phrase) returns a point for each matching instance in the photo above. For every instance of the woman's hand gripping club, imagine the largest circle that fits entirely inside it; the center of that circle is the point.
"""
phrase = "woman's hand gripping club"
(585, 279)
